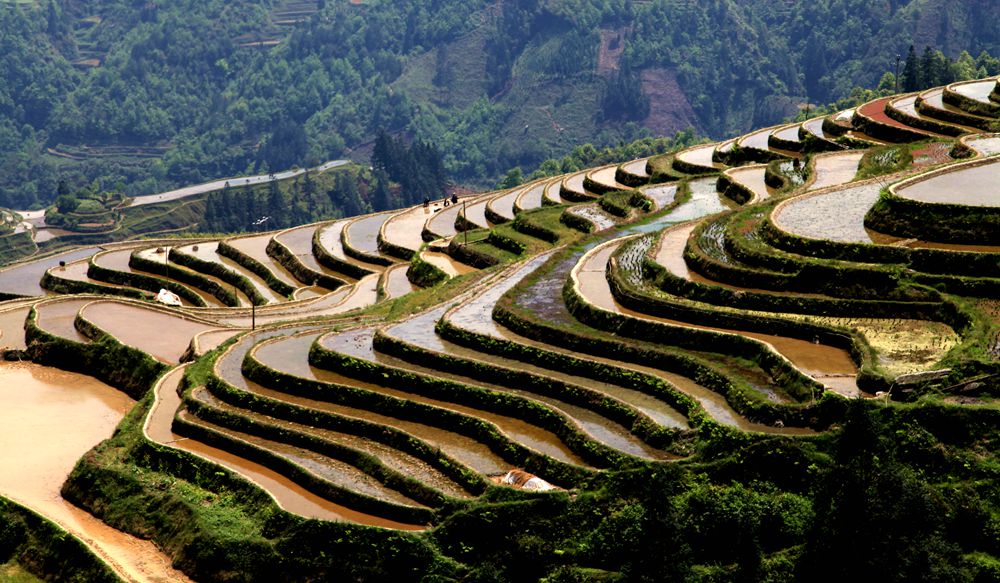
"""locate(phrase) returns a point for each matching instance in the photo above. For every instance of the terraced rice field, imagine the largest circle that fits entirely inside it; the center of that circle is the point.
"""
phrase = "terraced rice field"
(977, 90)
(700, 156)
(835, 215)
(972, 185)
(753, 179)
(383, 404)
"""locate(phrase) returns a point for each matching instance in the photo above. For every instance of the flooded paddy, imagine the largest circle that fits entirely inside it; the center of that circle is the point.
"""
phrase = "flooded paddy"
(12, 327)
(818, 360)
(637, 168)
(327, 469)
(442, 224)
(77, 271)
(476, 316)
(163, 336)
(530, 198)
(475, 213)
(971, 185)
(58, 316)
(299, 242)
(256, 247)
(23, 278)
(662, 195)
(330, 240)
(985, 145)
(552, 193)
(595, 215)
(208, 251)
(700, 156)
(395, 283)
(404, 229)
(362, 234)
(118, 261)
(789, 133)
(835, 169)
(446, 263)
(606, 177)
(574, 184)
(837, 215)
(49, 418)
(815, 127)
(756, 140)
(419, 331)
(358, 344)
(290, 355)
(503, 205)
(978, 90)
(752, 177)
(286, 493)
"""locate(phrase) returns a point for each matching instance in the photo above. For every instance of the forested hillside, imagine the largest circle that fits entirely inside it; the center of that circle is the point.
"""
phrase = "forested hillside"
(148, 96)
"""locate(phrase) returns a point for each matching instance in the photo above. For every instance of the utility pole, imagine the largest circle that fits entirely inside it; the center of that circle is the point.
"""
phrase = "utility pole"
(253, 316)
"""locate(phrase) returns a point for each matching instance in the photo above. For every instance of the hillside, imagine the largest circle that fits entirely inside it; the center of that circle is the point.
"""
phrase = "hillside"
(157, 96)
(769, 358)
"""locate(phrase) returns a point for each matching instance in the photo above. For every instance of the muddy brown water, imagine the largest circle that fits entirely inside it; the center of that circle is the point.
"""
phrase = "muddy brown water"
(358, 343)
(419, 331)
(256, 248)
(12, 327)
(208, 251)
(77, 271)
(285, 492)
(290, 355)
(404, 229)
(446, 263)
(476, 213)
(476, 316)
(162, 335)
(971, 186)
(23, 278)
(329, 239)
(58, 317)
(345, 474)
(396, 283)
(701, 156)
(330, 470)
(118, 261)
(753, 178)
(818, 360)
(169, 267)
(835, 169)
(48, 419)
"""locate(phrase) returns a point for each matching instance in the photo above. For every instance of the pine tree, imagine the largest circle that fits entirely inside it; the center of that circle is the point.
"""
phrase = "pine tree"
(911, 72)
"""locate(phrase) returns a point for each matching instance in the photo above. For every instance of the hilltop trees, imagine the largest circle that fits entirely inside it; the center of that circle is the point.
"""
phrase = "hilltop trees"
(416, 167)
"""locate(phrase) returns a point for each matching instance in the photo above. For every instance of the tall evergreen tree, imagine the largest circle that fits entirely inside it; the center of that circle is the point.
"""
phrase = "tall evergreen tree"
(910, 80)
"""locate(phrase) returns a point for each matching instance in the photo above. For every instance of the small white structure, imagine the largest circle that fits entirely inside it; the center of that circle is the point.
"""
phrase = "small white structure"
(523, 481)
(168, 297)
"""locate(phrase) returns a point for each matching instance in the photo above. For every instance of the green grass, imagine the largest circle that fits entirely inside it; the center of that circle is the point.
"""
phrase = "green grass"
(14, 573)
